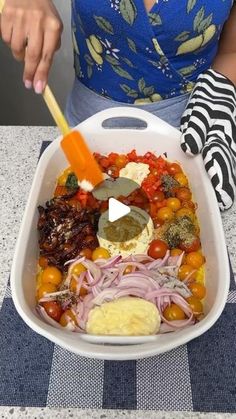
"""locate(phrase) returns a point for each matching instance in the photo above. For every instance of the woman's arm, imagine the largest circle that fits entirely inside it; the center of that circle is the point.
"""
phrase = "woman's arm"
(32, 29)
(225, 60)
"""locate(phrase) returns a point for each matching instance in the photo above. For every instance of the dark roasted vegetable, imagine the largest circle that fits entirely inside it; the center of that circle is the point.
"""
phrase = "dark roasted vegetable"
(64, 231)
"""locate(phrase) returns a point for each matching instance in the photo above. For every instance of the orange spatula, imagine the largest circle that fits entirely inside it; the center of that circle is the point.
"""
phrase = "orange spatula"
(73, 144)
(75, 148)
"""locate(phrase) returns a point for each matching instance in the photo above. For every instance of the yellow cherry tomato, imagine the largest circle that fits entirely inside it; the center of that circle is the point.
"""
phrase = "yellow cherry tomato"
(185, 212)
(195, 259)
(173, 312)
(173, 203)
(129, 269)
(121, 161)
(66, 317)
(78, 269)
(176, 252)
(100, 253)
(186, 271)
(47, 288)
(181, 178)
(61, 181)
(52, 275)
(165, 214)
(198, 290)
(195, 304)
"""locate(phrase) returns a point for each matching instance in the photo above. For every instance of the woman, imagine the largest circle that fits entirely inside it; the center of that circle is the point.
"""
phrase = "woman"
(145, 53)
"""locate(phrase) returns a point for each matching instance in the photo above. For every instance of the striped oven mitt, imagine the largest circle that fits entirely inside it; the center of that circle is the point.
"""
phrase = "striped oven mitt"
(208, 126)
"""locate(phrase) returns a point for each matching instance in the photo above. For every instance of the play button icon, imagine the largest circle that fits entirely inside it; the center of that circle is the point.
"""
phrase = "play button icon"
(116, 210)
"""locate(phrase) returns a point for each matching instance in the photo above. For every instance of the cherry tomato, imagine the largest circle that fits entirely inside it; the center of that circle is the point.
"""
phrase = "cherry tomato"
(185, 212)
(47, 288)
(157, 223)
(198, 290)
(189, 204)
(86, 252)
(191, 247)
(195, 259)
(186, 271)
(176, 252)
(43, 262)
(181, 179)
(173, 312)
(100, 253)
(60, 191)
(73, 287)
(173, 203)
(63, 177)
(195, 304)
(68, 316)
(53, 309)
(183, 194)
(158, 197)
(52, 275)
(78, 269)
(121, 161)
(104, 162)
(174, 168)
(157, 249)
(129, 269)
(165, 214)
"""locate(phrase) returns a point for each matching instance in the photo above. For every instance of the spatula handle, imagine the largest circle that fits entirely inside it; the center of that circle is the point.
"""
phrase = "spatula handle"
(55, 111)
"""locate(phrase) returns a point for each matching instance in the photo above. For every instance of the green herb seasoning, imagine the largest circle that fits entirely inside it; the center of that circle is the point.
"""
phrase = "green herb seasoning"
(72, 182)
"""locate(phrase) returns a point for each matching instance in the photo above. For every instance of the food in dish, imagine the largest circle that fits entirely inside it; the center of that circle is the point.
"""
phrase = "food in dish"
(87, 283)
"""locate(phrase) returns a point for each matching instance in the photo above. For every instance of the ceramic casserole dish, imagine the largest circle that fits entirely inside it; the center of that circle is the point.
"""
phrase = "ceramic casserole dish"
(158, 137)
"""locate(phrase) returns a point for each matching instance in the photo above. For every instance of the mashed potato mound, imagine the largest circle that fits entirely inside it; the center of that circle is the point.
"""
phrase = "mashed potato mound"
(127, 316)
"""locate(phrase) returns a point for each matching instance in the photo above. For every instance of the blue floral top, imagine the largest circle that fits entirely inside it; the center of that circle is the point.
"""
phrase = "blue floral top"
(132, 56)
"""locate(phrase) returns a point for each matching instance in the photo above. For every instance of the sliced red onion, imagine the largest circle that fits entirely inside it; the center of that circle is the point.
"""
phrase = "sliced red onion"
(159, 262)
(107, 294)
(94, 270)
(138, 258)
(110, 263)
(73, 260)
(135, 292)
(43, 314)
(79, 281)
(53, 295)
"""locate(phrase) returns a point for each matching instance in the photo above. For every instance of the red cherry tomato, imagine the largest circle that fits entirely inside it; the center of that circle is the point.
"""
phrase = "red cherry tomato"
(158, 197)
(157, 249)
(174, 168)
(86, 252)
(53, 309)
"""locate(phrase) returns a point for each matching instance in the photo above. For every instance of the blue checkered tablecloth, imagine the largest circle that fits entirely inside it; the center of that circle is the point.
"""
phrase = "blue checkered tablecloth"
(199, 376)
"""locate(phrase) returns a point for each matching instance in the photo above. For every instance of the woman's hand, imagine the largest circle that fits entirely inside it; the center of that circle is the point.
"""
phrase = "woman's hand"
(32, 29)
(208, 126)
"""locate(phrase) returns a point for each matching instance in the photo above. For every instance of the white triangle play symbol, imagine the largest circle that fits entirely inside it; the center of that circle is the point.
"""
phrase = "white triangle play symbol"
(116, 210)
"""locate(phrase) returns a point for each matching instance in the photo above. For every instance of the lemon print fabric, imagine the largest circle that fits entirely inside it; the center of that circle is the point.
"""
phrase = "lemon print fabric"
(125, 53)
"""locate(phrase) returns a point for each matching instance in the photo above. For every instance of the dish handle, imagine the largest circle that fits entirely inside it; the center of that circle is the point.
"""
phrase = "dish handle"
(124, 118)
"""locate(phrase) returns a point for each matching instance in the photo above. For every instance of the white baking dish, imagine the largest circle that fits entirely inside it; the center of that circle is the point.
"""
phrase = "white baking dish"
(158, 137)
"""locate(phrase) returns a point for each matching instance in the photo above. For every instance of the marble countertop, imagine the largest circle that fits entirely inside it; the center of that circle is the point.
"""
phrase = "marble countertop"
(19, 151)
